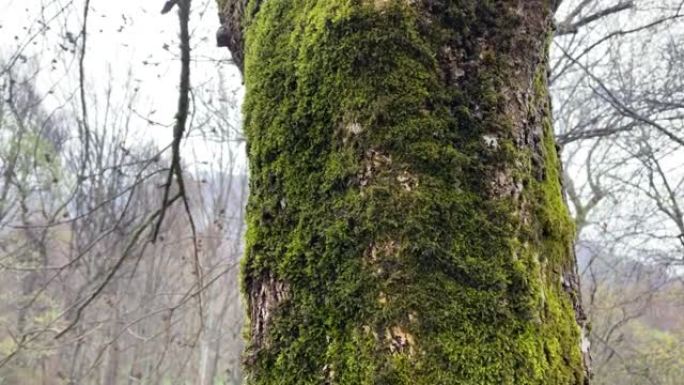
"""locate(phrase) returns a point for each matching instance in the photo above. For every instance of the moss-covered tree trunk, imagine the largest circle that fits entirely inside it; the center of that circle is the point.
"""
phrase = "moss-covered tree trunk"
(406, 222)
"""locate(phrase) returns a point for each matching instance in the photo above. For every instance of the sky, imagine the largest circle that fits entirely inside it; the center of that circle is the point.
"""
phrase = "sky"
(129, 43)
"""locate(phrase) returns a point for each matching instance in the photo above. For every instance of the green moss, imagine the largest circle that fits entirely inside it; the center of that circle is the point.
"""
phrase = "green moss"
(369, 198)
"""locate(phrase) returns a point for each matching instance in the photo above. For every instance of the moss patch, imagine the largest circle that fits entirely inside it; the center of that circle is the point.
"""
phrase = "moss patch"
(371, 196)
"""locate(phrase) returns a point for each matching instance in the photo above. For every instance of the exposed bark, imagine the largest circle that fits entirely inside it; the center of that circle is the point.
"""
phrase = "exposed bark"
(229, 33)
(265, 296)
(406, 220)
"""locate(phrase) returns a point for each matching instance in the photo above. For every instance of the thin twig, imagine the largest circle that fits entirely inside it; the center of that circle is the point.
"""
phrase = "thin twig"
(178, 131)
(85, 134)
(112, 271)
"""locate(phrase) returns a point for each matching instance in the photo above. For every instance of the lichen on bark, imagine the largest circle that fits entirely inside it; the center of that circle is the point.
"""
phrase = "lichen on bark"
(406, 223)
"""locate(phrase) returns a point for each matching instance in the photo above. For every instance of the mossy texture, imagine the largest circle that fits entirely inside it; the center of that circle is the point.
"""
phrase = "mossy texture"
(406, 223)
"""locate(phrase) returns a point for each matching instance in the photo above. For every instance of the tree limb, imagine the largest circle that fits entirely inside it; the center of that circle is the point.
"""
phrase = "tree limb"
(569, 27)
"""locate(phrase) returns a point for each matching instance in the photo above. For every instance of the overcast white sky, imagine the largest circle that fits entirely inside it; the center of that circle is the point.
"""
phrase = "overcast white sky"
(127, 39)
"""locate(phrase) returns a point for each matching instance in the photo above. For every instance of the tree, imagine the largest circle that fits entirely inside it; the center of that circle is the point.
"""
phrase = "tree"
(80, 186)
(406, 221)
(618, 106)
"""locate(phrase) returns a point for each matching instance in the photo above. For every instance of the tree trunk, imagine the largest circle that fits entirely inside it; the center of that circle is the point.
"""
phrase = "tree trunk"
(406, 223)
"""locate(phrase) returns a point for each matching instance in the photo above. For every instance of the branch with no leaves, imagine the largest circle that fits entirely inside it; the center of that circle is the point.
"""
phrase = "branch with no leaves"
(178, 131)
(570, 26)
(168, 6)
(181, 113)
(620, 106)
(112, 272)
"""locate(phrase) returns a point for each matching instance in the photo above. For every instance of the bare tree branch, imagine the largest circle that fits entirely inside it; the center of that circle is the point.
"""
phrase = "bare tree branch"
(568, 26)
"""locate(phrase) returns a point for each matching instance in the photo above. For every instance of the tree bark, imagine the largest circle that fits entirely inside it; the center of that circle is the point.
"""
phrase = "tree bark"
(406, 223)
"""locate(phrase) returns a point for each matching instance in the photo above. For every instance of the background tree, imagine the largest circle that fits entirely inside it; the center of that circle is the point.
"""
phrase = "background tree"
(76, 261)
(619, 117)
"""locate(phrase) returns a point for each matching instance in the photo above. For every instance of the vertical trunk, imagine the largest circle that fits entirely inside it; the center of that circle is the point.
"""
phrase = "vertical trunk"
(111, 369)
(203, 365)
(406, 223)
